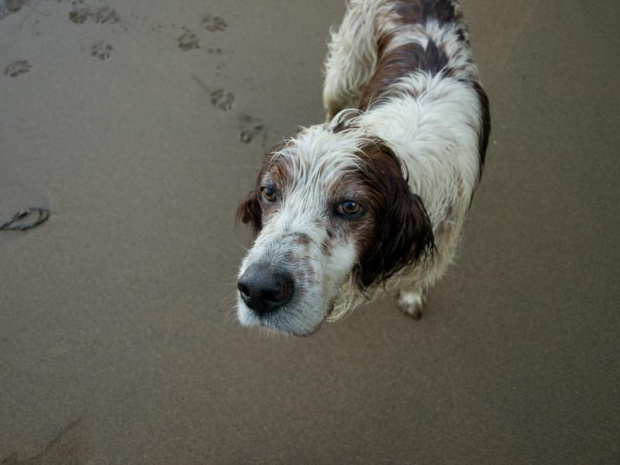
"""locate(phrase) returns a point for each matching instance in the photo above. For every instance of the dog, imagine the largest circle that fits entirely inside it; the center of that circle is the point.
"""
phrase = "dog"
(375, 198)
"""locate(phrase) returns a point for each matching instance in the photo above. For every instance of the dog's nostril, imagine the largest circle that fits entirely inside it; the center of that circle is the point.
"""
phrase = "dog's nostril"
(264, 290)
(243, 289)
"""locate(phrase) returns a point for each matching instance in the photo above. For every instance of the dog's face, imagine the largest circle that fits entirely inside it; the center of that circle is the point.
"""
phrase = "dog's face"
(328, 207)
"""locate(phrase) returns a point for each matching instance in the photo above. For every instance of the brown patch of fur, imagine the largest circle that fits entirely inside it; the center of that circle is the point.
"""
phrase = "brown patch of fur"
(399, 233)
(400, 62)
(302, 239)
(249, 211)
(421, 11)
(326, 247)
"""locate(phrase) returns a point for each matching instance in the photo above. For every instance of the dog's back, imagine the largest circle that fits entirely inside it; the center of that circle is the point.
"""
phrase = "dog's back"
(382, 41)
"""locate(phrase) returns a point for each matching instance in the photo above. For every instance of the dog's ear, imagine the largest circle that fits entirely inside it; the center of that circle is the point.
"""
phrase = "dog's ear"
(403, 234)
(249, 211)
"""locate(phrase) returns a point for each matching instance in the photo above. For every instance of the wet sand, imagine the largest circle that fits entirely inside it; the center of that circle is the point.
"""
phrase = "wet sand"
(140, 125)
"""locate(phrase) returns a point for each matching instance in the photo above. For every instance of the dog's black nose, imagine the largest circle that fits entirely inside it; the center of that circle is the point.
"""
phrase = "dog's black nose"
(265, 290)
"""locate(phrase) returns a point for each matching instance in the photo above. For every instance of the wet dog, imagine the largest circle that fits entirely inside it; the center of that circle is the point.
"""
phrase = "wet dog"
(376, 197)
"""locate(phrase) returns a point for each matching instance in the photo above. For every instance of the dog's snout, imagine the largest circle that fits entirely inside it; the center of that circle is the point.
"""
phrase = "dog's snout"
(265, 290)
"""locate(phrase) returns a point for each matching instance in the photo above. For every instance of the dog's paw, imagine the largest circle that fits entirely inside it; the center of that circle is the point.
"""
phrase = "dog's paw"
(412, 303)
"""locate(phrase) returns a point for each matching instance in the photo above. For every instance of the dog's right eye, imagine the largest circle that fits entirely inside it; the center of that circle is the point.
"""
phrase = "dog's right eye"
(269, 194)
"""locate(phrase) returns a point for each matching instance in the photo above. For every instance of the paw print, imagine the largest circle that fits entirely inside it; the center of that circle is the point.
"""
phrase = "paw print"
(101, 50)
(213, 23)
(188, 41)
(17, 68)
(222, 99)
(250, 128)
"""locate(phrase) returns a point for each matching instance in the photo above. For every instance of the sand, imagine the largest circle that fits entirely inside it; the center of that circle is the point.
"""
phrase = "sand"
(140, 125)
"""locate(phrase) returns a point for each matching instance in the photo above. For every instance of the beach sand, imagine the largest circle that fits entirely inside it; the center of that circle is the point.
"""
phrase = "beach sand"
(140, 125)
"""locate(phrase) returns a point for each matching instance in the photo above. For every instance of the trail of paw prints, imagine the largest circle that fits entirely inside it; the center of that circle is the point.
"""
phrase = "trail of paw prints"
(17, 68)
(101, 50)
(250, 128)
(213, 23)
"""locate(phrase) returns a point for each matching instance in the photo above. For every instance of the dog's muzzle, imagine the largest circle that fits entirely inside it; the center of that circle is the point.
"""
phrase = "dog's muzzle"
(265, 290)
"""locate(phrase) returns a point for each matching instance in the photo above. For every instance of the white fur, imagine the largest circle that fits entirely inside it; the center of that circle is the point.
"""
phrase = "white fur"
(352, 56)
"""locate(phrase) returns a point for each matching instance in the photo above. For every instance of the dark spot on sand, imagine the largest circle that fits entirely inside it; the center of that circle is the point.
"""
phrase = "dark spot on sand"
(13, 6)
(17, 68)
(78, 16)
(250, 128)
(103, 15)
(101, 50)
(188, 41)
(213, 23)
(222, 99)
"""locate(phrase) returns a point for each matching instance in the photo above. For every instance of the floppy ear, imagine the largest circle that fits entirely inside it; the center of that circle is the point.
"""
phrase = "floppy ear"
(249, 211)
(403, 234)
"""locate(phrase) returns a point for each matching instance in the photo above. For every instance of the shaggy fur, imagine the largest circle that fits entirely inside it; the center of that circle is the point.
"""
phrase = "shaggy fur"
(406, 136)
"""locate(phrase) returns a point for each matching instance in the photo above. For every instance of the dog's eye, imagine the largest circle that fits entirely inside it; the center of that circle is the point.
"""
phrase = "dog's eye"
(269, 194)
(350, 208)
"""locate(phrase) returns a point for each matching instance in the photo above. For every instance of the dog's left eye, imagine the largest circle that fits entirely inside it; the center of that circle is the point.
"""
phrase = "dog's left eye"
(350, 208)
(269, 194)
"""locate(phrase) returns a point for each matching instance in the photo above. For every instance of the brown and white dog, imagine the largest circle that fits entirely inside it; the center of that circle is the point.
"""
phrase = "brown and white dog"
(378, 194)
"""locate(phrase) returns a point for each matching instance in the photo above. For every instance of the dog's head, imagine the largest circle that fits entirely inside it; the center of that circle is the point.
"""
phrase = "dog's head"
(330, 206)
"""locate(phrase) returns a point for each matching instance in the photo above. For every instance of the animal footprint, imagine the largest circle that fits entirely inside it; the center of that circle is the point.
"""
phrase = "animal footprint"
(222, 99)
(79, 16)
(103, 15)
(101, 50)
(17, 68)
(213, 23)
(188, 41)
(250, 128)
(13, 6)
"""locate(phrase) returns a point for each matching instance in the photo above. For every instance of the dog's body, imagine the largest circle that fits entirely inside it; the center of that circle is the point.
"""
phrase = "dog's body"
(379, 193)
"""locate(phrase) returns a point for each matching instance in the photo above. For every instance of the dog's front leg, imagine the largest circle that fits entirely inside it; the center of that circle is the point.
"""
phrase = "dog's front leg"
(412, 301)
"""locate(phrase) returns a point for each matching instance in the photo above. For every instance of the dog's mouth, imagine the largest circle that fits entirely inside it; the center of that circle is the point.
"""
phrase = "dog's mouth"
(287, 320)
(286, 330)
